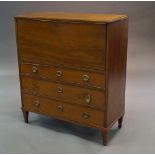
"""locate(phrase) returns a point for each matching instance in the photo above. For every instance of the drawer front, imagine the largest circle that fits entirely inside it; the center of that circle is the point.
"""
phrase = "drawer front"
(79, 45)
(63, 110)
(64, 93)
(64, 75)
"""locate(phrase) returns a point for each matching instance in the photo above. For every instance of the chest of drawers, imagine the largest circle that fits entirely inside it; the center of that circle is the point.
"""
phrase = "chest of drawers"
(73, 67)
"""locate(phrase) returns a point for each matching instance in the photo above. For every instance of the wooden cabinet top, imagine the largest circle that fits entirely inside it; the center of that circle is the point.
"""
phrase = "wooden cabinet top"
(77, 17)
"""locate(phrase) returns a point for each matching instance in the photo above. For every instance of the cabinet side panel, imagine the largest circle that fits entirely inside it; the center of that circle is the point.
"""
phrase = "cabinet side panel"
(117, 37)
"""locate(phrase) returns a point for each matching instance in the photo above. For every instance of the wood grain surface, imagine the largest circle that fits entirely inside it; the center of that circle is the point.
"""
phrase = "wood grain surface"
(69, 112)
(69, 94)
(77, 17)
(117, 36)
(63, 44)
(67, 76)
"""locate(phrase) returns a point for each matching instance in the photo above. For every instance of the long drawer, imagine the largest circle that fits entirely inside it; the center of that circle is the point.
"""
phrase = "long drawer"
(63, 110)
(82, 78)
(65, 93)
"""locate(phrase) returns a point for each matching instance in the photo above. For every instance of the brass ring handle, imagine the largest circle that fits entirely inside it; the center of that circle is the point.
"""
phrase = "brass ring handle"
(59, 89)
(59, 73)
(85, 78)
(88, 99)
(60, 108)
(36, 103)
(34, 69)
(85, 115)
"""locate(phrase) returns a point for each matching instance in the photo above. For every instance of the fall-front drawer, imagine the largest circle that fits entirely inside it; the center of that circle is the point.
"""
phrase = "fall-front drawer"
(69, 44)
(64, 93)
(63, 110)
(83, 78)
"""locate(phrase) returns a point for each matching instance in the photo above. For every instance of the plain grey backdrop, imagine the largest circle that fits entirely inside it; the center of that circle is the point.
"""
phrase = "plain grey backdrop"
(46, 135)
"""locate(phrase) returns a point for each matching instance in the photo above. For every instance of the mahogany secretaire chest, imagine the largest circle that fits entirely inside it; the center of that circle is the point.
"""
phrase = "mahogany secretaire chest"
(72, 67)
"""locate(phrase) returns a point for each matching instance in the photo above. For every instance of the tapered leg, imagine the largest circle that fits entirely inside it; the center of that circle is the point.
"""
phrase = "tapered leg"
(26, 115)
(105, 136)
(120, 122)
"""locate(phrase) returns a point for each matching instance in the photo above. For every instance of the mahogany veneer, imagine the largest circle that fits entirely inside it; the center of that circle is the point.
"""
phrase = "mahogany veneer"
(72, 67)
